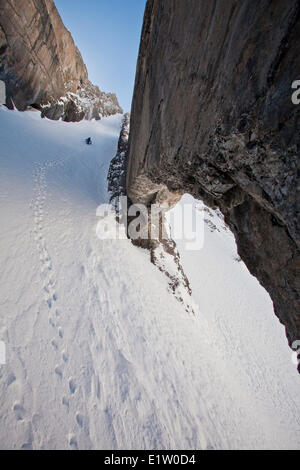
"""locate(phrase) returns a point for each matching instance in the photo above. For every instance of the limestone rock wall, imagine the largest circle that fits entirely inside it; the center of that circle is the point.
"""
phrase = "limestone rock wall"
(212, 115)
(40, 63)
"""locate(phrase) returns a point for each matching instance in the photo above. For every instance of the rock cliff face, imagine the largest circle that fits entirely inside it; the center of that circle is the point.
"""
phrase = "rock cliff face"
(212, 115)
(42, 67)
(163, 251)
(117, 171)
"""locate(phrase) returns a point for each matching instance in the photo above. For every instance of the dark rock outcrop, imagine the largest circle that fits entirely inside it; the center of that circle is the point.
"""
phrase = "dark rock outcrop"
(212, 115)
(118, 166)
(163, 251)
(42, 67)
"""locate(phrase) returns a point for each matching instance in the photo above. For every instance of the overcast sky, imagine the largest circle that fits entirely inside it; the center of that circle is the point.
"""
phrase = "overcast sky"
(107, 33)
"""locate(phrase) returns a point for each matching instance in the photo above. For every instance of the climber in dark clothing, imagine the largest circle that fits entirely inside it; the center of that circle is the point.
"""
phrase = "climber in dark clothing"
(88, 141)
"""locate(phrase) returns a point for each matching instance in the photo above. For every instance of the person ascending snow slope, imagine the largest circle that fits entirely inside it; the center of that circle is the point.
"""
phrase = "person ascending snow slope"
(88, 141)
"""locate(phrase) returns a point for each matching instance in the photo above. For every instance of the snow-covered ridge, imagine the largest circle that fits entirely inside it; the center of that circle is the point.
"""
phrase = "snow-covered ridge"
(88, 103)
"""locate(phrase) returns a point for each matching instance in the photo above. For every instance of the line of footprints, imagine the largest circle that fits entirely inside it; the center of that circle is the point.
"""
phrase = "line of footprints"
(49, 284)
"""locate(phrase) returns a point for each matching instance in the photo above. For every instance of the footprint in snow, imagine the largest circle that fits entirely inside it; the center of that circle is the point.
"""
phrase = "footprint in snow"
(79, 419)
(11, 379)
(65, 402)
(54, 344)
(72, 386)
(19, 411)
(65, 356)
(73, 442)
(27, 446)
(82, 272)
(98, 388)
(58, 372)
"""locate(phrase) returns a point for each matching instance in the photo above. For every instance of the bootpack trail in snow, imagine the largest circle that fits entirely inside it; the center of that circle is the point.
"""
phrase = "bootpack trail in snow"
(99, 354)
(49, 283)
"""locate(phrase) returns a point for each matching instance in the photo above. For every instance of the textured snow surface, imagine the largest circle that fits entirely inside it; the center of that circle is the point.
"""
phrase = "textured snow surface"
(99, 353)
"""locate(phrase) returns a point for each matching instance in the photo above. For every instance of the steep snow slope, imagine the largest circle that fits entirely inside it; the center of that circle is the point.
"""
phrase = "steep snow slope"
(99, 354)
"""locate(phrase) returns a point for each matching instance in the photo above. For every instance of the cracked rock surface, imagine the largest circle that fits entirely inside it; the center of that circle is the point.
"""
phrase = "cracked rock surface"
(212, 116)
(42, 67)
